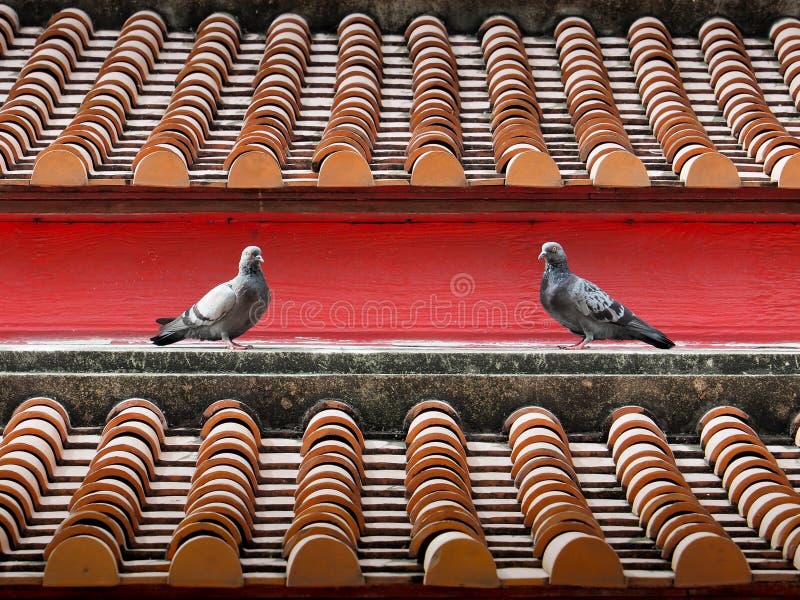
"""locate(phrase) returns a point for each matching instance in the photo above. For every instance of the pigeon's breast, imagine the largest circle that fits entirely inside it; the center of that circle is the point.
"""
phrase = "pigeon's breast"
(555, 298)
(252, 300)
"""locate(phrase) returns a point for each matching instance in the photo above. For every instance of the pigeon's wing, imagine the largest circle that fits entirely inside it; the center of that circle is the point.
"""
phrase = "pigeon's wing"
(593, 302)
(212, 307)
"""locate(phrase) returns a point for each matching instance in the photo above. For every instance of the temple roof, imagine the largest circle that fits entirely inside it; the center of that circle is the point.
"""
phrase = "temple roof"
(294, 106)
(443, 471)
(646, 488)
(139, 502)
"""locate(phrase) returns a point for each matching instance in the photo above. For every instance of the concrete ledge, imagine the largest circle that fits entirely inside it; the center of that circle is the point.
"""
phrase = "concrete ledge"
(291, 360)
(581, 388)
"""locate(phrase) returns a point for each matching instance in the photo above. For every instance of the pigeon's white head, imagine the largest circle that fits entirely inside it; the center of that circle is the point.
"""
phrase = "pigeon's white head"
(553, 253)
(251, 258)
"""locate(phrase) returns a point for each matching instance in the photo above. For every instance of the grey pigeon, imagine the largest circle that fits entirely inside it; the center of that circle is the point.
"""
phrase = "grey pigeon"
(225, 312)
(585, 309)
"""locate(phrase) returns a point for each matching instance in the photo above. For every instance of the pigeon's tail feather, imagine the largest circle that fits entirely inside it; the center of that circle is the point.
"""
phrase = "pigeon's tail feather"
(647, 333)
(165, 320)
(658, 339)
(168, 337)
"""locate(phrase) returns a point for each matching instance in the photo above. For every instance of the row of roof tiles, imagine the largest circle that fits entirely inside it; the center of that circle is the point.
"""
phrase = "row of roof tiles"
(226, 506)
(358, 108)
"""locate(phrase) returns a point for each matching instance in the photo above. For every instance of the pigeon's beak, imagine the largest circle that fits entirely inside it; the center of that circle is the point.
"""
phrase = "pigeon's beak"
(260, 258)
(541, 255)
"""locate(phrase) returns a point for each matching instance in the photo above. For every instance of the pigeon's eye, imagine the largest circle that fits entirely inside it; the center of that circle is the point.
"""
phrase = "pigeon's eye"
(553, 249)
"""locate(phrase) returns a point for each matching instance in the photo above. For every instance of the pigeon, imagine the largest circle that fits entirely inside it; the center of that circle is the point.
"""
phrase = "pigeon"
(585, 309)
(225, 312)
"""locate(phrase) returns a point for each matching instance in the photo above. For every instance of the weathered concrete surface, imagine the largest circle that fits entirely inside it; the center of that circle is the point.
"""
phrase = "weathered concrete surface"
(609, 17)
(582, 388)
(212, 358)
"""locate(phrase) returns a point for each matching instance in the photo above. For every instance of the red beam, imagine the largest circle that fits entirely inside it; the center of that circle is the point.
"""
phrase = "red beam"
(371, 283)
(397, 203)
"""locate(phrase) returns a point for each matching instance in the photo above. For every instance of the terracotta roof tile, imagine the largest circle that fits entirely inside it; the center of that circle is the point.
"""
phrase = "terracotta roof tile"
(565, 532)
(743, 103)
(141, 502)
(700, 550)
(754, 481)
(101, 95)
(345, 151)
(603, 142)
(174, 144)
(220, 507)
(100, 122)
(322, 541)
(436, 144)
(520, 150)
(446, 530)
(260, 150)
(105, 512)
(9, 27)
(41, 82)
(683, 138)
(785, 35)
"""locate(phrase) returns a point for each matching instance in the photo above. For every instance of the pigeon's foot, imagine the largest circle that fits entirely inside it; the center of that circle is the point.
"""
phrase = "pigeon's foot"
(235, 346)
(579, 346)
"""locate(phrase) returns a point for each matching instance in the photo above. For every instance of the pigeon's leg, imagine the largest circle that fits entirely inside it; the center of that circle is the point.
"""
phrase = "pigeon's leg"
(581, 345)
(234, 345)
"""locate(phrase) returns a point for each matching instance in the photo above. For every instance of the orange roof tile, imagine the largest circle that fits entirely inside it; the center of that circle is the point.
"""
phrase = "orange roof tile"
(260, 150)
(682, 137)
(742, 101)
(266, 109)
(140, 501)
(519, 146)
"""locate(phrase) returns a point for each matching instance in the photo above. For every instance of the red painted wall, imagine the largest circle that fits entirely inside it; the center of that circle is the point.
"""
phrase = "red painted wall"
(375, 283)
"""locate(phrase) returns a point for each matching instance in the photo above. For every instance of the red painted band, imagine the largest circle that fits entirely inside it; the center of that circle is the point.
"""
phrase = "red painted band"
(373, 283)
